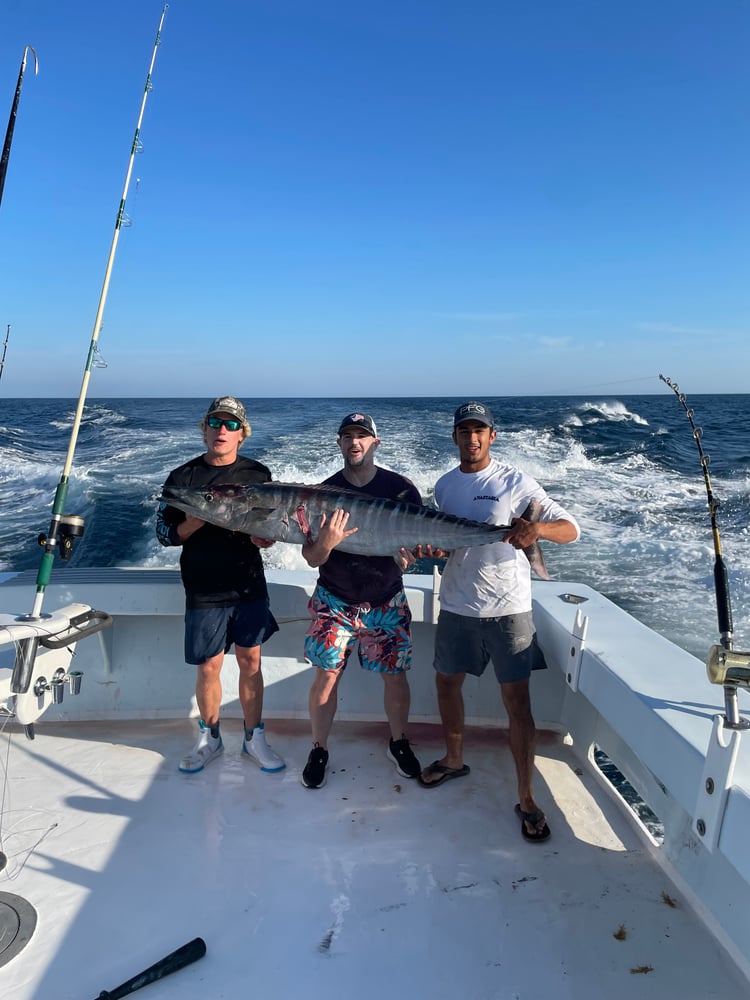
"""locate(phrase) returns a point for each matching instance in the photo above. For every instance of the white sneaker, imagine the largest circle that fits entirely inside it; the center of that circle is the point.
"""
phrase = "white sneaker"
(205, 750)
(258, 750)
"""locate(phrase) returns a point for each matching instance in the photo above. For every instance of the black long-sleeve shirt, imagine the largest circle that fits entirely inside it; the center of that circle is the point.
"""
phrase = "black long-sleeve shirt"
(219, 567)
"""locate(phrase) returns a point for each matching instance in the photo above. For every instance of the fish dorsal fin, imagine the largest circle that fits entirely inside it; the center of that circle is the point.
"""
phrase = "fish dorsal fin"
(326, 489)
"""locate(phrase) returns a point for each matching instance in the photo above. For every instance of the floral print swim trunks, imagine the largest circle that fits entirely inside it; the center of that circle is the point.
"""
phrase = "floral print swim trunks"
(383, 633)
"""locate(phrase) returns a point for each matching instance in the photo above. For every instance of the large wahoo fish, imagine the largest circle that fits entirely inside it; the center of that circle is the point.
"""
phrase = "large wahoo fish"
(291, 512)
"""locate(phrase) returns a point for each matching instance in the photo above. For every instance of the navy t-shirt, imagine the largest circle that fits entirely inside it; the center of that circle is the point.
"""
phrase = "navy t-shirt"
(360, 579)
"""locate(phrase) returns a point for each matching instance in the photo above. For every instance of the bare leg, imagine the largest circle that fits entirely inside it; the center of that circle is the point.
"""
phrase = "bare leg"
(451, 707)
(208, 689)
(522, 733)
(397, 701)
(250, 685)
(323, 703)
(208, 696)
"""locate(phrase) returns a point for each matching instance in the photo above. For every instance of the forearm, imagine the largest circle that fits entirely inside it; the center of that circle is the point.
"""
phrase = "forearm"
(166, 528)
(187, 528)
(315, 553)
(332, 531)
(561, 531)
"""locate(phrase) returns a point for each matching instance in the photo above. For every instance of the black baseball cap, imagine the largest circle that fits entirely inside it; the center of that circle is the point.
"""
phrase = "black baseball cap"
(474, 411)
(363, 420)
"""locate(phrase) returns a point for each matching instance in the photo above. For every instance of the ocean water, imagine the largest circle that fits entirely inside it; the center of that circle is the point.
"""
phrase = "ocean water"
(627, 467)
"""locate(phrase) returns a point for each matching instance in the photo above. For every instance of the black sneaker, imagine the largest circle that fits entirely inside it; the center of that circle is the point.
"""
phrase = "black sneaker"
(314, 774)
(403, 757)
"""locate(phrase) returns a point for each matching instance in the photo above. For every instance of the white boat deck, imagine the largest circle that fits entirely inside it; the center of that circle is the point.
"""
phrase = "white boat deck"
(366, 887)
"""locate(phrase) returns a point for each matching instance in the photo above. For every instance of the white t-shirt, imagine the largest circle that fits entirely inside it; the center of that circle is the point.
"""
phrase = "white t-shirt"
(488, 581)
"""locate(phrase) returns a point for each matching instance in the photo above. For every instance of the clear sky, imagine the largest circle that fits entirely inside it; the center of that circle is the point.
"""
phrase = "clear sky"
(339, 198)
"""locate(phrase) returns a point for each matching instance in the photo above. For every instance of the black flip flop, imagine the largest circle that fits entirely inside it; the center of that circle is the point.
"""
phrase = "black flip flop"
(533, 818)
(446, 773)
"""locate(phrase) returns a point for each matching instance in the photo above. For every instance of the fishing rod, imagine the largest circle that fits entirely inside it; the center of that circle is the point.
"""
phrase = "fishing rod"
(725, 665)
(5, 348)
(65, 528)
(13, 113)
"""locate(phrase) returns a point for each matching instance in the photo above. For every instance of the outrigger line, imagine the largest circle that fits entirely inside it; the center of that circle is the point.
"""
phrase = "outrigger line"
(13, 114)
(725, 666)
(63, 528)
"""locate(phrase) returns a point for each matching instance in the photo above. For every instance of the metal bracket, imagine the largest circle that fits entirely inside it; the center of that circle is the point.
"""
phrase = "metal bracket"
(718, 771)
(577, 645)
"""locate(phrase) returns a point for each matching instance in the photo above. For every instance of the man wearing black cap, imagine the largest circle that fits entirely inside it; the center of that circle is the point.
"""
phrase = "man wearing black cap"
(225, 589)
(359, 599)
(485, 602)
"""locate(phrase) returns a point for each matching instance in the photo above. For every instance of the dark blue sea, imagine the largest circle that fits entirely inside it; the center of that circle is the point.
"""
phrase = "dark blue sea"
(626, 466)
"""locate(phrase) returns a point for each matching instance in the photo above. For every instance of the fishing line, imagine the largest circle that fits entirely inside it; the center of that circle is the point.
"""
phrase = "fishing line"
(721, 580)
(7, 834)
(624, 381)
(721, 577)
(3, 855)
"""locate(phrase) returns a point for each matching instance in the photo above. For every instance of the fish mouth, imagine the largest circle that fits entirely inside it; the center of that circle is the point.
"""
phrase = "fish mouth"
(177, 500)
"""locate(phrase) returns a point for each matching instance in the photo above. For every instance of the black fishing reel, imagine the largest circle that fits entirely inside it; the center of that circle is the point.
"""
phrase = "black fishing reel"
(69, 528)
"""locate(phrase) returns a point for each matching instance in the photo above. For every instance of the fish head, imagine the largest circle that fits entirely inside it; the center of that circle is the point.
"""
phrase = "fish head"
(222, 504)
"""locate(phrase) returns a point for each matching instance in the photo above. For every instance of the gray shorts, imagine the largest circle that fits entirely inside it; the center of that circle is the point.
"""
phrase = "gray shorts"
(210, 631)
(465, 645)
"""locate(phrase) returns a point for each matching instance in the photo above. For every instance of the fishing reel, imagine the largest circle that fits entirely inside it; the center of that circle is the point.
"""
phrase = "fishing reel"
(69, 527)
(728, 666)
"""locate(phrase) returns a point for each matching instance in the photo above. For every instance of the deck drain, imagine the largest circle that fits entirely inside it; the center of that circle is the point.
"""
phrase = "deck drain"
(17, 923)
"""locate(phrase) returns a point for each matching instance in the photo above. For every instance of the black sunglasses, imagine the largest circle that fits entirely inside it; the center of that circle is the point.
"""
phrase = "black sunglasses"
(229, 422)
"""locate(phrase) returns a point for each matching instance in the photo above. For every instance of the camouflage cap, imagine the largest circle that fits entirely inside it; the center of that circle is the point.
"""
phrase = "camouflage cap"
(228, 404)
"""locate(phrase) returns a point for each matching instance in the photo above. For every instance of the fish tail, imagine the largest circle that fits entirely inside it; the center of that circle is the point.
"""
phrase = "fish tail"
(536, 561)
(533, 552)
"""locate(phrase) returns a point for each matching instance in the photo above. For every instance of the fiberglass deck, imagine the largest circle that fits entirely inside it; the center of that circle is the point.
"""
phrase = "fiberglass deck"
(367, 886)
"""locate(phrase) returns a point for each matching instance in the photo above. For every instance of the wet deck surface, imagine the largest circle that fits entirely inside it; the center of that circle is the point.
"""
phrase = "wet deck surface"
(368, 886)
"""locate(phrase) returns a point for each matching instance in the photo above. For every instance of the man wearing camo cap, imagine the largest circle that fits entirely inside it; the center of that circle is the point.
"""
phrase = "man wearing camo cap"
(226, 596)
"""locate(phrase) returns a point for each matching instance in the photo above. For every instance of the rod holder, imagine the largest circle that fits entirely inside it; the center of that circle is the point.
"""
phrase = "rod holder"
(56, 685)
(24, 665)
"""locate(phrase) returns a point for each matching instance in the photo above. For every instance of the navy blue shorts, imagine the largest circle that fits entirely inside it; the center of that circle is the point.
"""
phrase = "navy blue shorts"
(465, 645)
(210, 631)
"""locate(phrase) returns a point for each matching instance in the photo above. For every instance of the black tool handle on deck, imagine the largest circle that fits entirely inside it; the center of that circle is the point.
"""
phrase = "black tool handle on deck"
(185, 955)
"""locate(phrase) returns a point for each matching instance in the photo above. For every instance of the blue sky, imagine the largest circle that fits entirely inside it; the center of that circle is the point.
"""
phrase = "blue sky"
(338, 198)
